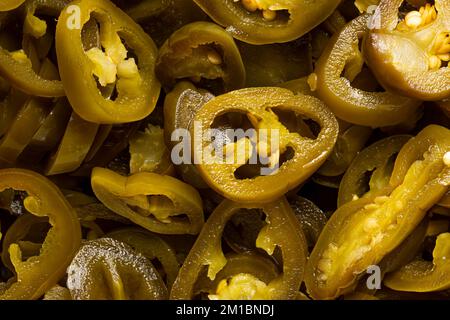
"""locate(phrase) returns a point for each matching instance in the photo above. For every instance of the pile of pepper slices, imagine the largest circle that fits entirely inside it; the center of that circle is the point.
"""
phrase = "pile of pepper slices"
(93, 205)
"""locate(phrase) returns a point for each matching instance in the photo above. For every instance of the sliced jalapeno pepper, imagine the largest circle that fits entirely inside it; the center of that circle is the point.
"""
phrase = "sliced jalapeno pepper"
(372, 109)
(408, 56)
(39, 273)
(282, 230)
(424, 276)
(260, 105)
(152, 201)
(27, 122)
(203, 52)
(74, 146)
(376, 158)
(362, 232)
(152, 247)
(180, 107)
(264, 22)
(126, 274)
(136, 85)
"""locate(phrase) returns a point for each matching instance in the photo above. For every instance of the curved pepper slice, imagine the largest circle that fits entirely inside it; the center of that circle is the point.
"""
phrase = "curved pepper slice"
(247, 263)
(406, 56)
(311, 217)
(39, 273)
(376, 158)
(282, 230)
(75, 144)
(27, 122)
(109, 269)
(17, 67)
(201, 51)
(180, 107)
(7, 5)
(268, 21)
(137, 87)
(362, 232)
(372, 109)
(407, 250)
(260, 105)
(50, 132)
(152, 247)
(19, 233)
(424, 276)
(150, 200)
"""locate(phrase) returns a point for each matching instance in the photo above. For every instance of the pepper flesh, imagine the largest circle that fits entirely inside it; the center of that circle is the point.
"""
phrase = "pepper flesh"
(376, 158)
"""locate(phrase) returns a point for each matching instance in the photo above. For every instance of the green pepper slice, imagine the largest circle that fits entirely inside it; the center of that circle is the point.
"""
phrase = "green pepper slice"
(408, 56)
(360, 233)
(152, 247)
(180, 107)
(377, 159)
(282, 230)
(105, 150)
(424, 276)
(203, 52)
(265, 22)
(260, 105)
(39, 273)
(19, 233)
(371, 109)
(150, 200)
(17, 67)
(106, 269)
(75, 144)
(27, 122)
(136, 84)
